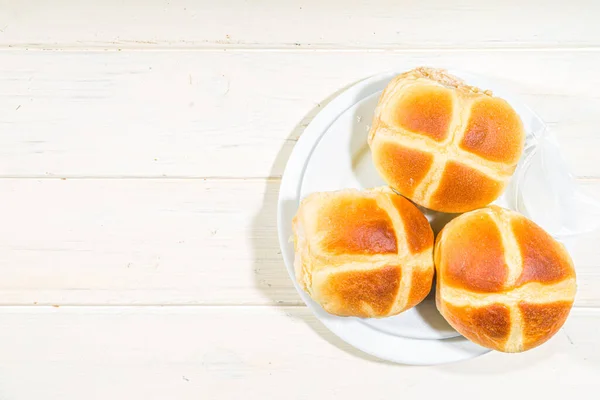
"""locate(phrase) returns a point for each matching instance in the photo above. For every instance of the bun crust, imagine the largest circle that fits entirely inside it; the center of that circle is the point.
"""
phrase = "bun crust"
(502, 281)
(363, 253)
(445, 145)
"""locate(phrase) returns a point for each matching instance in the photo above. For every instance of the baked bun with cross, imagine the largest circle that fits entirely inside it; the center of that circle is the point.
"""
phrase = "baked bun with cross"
(502, 281)
(363, 253)
(443, 144)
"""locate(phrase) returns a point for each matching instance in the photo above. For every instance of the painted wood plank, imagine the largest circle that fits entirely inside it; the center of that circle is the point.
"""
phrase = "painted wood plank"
(257, 353)
(141, 242)
(147, 241)
(298, 23)
(236, 114)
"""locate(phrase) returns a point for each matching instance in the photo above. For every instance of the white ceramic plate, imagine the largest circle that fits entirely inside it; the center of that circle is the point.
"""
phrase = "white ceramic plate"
(333, 154)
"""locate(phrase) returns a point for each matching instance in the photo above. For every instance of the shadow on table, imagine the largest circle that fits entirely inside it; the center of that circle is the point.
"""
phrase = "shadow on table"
(272, 279)
(270, 274)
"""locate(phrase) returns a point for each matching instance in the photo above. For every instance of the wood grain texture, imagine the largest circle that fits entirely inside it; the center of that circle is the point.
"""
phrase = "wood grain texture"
(141, 242)
(184, 353)
(176, 118)
(298, 23)
(236, 114)
(146, 241)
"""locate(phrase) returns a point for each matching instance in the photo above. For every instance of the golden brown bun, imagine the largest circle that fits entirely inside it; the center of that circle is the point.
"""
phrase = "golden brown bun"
(443, 144)
(502, 281)
(363, 253)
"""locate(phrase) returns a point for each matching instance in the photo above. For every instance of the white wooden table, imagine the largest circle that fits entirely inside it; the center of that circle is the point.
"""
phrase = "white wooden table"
(141, 148)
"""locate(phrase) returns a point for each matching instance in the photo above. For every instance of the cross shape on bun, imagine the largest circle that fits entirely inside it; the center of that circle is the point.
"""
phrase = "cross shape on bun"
(443, 144)
(363, 253)
(502, 281)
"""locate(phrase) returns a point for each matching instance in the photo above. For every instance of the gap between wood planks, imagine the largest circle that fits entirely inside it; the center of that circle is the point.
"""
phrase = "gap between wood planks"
(285, 47)
(189, 178)
(149, 177)
(579, 310)
(283, 304)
